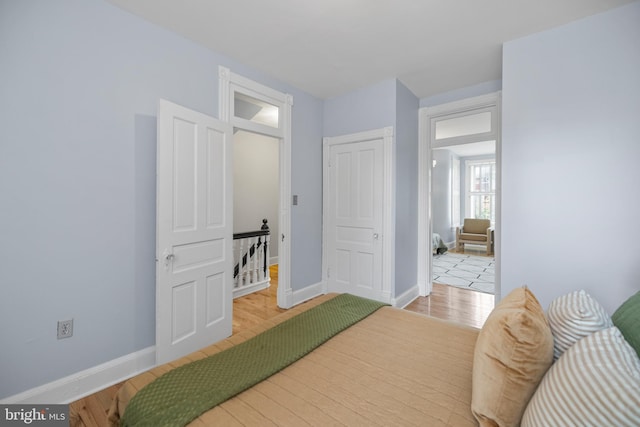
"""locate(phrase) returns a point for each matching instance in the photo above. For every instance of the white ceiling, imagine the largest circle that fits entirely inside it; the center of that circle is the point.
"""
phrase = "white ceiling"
(330, 47)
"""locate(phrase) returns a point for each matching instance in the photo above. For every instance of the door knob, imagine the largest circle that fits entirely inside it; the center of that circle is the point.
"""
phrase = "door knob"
(375, 236)
(168, 259)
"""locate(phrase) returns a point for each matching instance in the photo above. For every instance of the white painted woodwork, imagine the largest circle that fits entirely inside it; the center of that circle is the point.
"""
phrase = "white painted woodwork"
(194, 232)
(357, 182)
(230, 86)
(251, 276)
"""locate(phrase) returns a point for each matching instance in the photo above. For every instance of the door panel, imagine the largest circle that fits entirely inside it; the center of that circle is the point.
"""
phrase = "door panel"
(194, 235)
(355, 213)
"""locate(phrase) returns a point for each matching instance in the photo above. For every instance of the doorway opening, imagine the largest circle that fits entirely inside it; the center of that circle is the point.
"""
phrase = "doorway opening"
(460, 179)
(463, 191)
(256, 201)
(263, 115)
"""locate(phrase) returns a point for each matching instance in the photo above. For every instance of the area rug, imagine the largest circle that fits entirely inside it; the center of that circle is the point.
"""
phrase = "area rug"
(465, 271)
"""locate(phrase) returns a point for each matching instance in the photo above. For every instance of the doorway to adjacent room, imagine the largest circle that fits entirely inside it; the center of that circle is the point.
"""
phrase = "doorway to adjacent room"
(459, 178)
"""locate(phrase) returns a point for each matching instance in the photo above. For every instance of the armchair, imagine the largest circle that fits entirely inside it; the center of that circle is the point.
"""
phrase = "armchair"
(476, 232)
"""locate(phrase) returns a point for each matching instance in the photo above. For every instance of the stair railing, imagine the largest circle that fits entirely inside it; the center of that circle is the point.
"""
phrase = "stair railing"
(251, 258)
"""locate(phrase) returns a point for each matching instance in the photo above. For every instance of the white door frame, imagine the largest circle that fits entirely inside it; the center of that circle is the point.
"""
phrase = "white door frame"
(426, 135)
(230, 83)
(387, 293)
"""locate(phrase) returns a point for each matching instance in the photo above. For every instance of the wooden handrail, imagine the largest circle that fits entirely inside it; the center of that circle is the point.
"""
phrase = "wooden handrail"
(264, 230)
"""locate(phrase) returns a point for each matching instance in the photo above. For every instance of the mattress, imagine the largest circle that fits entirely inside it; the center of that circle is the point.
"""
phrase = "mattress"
(395, 367)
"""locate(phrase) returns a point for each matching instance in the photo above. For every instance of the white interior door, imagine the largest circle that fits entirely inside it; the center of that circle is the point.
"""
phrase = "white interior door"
(354, 217)
(194, 231)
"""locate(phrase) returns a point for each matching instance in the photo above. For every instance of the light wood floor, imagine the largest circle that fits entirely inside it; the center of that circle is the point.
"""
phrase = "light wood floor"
(445, 302)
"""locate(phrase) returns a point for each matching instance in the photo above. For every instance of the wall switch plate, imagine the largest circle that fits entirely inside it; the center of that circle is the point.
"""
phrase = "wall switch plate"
(65, 329)
(295, 200)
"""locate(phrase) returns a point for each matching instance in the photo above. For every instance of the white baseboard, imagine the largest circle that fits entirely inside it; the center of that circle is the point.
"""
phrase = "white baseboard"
(246, 290)
(92, 380)
(76, 386)
(407, 297)
(307, 293)
(273, 260)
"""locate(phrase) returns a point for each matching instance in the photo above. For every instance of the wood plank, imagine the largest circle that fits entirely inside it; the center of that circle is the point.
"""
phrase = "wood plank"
(455, 304)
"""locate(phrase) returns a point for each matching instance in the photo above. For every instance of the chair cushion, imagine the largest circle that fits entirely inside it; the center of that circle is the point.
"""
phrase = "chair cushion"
(513, 352)
(476, 226)
(474, 237)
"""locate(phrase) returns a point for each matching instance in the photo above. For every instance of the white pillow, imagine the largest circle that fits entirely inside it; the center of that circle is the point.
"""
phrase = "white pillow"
(574, 316)
(596, 382)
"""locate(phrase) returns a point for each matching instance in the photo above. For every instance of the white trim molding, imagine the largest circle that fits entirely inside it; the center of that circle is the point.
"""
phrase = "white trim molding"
(307, 293)
(407, 297)
(229, 84)
(81, 384)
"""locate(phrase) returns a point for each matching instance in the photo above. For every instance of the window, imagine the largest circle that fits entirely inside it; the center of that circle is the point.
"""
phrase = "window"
(470, 124)
(481, 189)
(249, 108)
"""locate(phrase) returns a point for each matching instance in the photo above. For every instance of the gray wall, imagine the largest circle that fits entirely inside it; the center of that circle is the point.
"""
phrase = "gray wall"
(441, 187)
(369, 108)
(570, 150)
(388, 103)
(306, 182)
(407, 105)
(79, 85)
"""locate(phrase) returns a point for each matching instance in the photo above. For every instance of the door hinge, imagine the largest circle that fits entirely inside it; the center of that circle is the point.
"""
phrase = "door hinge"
(328, 272)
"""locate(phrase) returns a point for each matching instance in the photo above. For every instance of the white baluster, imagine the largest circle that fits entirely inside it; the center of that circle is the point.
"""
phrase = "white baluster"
(243, 268)
(254, 275)
(235, 261)
(267, 240)
(260, 259)
(248, 264)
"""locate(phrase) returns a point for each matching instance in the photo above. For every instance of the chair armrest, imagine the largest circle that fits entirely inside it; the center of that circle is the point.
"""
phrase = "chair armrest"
(490, 234)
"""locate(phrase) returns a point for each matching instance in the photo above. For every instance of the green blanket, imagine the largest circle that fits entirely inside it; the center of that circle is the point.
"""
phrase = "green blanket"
(181, 395)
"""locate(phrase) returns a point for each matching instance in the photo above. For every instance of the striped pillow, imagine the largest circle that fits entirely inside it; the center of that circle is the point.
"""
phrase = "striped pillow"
(595, 383)
(574, 316)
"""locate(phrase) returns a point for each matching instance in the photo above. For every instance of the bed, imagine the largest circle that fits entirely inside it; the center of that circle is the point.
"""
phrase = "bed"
(438, 245)
(394, 367)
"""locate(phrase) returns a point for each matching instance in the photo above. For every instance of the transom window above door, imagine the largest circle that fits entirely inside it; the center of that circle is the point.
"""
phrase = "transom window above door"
(464, 127)
(255, 110)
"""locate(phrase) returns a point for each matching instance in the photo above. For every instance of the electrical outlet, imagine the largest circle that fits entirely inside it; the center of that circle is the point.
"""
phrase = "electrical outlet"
(65, 328)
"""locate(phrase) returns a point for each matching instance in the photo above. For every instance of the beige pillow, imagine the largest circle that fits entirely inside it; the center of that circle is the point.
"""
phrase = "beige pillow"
(512, 354)
(596, 382)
